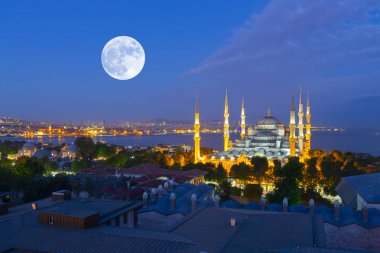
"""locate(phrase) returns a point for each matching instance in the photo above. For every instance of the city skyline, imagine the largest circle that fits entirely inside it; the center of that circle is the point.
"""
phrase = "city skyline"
(263, 50)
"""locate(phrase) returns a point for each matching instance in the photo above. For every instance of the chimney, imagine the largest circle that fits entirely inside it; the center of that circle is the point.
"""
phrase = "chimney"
(193, 202)
(172, 201)
(145, 199)
(336, 210)
(160, 189)
(233, 222)
(153, 194)
(365, 212)
(34, 206)
(311, 206)
(216, 200)
(166, 187)
(262, 202)
(285, 205)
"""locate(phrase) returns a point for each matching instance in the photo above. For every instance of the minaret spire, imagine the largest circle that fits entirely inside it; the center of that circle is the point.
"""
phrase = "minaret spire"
(292, 129)
(197, 138)
(226, 124)
(308, 129)
(226, 103)
(242, 124)
(300, 125)
(196, 105)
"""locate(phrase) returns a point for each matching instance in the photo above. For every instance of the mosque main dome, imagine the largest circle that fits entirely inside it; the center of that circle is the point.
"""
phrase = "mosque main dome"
(268, 120)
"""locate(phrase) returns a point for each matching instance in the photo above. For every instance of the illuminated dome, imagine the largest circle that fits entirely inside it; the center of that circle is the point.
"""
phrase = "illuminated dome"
(268, 120)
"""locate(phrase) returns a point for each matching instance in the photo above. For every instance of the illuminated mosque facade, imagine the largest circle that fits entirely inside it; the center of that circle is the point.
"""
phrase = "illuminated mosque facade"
(268, 137)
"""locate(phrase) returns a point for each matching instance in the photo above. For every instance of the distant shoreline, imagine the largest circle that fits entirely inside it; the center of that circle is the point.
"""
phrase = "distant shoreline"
(356, 141)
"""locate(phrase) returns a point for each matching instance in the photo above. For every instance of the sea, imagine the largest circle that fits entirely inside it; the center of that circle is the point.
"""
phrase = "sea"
(353, 141)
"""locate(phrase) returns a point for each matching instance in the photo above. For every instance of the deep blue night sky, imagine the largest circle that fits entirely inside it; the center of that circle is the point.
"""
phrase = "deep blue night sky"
(51, 69)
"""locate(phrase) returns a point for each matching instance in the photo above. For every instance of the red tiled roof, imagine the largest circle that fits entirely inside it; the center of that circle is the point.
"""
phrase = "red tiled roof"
(149, 172)
(143, 169)
(195, 173)
(151, 184)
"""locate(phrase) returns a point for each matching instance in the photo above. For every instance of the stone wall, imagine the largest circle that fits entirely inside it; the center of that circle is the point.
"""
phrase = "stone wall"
(352, 237)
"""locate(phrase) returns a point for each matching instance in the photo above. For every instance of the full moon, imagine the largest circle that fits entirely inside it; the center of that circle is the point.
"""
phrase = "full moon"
(123, 58)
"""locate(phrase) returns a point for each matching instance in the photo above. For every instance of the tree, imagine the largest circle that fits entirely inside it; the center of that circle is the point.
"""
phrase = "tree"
(317, 153)
(337, 155)
(253, 191)
(10, 147)
(118, 160)
(47, 165)
(220, 173)
(208, 167)
(28, 166)
(166, 160)
(287, 182)
(89, 186)
(86, 147)
(331, 170)
(241, 172)
(79, 165)
(224, 190)
(260, 167)
(6, 179)
(349, 168)
(179, 158)
(312, 175)
(104, 150)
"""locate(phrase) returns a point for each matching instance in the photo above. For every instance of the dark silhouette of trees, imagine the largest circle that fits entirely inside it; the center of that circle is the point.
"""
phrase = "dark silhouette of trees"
(260, 168)
(253, 191)
(287, 182)
(86, 146)
(242, 172)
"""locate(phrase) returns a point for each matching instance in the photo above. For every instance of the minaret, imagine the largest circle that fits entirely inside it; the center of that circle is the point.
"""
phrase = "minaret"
(197, 138)
(308, 129)
(292, 128)
(226, 125)
(300, 126)
(242, 124)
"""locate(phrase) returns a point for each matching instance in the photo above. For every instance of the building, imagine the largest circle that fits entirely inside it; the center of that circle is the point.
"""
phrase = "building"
(166, 206)
(359, 191)
(69, 151)
(267, 137)
(40, 153)
(147, 172)
(28, 149)
(186, 219)
(90, 213)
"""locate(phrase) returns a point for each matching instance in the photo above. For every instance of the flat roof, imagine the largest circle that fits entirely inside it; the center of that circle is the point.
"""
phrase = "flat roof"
(255, 230)
(79, 213)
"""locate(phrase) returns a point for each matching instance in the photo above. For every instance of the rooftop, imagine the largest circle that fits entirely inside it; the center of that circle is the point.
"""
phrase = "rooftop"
(367, 186)
(253, 232)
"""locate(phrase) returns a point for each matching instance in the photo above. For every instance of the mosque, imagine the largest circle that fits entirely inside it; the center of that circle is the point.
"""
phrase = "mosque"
(268, 137)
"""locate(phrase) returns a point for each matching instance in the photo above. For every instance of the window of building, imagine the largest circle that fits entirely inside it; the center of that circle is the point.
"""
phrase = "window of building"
(51, 219)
